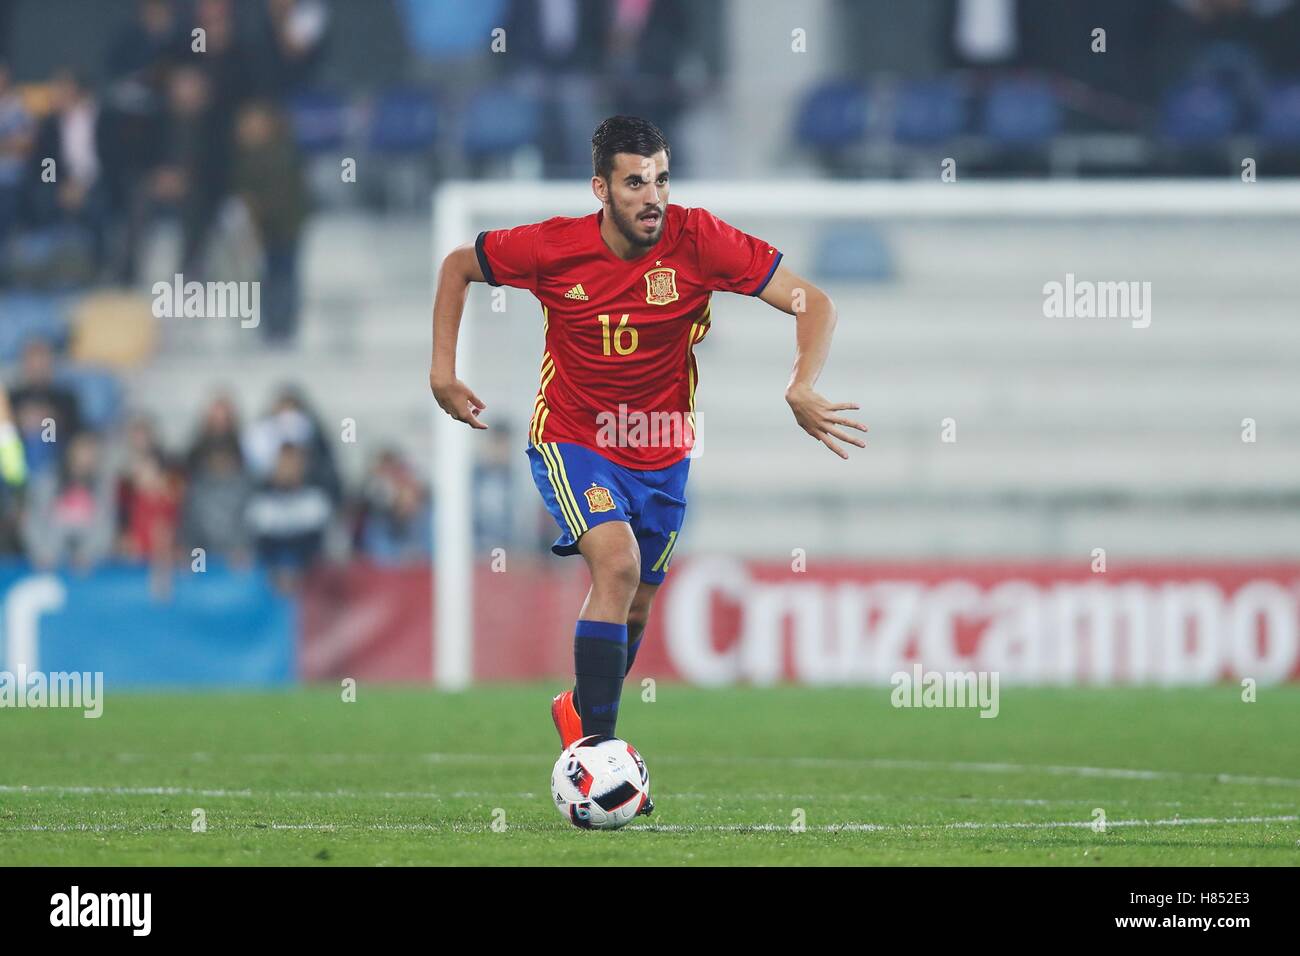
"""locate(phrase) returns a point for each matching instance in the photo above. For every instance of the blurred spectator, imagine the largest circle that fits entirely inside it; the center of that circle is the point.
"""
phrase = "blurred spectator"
(16, 137)
(986, 33)
(73, 206)
(232, 68)
(138, 64)
(557, 48)
(452, 53)
(36, 400)
(297, 31)
(287, 518)
(215, 501)
(148, 495)
(268, 178)
(290, 422)
(218, 430)
(379, 487)
(395, 520)
(149, 43)
(142, 436)
(403, 530)
(202, 106)
(649, 43)
(70, 516)
(150, 508)
(191, 177)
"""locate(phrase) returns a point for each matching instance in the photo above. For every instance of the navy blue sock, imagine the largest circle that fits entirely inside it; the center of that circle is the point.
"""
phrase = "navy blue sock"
(631, 652)
(600, 663)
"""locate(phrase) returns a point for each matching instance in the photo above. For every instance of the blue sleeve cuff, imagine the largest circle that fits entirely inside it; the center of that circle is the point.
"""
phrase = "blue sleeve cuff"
(483, 263)
(768, 278)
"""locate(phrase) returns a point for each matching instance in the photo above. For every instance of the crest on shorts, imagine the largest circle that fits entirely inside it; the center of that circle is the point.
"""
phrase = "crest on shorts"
(661, 286)
(598, 499)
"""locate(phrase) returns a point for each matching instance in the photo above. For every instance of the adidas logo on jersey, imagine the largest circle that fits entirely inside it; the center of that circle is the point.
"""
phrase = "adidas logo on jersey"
(577, 293)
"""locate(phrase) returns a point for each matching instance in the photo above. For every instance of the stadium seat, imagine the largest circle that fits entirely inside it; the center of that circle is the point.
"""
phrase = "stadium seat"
(319, 120)
(1199, 113)
(99, 394)
(403, 121)
(1279, 121)
(27, 315)
(833, 116)
(114, 329)
(500, 121)
(929, 111)
(1022, 112)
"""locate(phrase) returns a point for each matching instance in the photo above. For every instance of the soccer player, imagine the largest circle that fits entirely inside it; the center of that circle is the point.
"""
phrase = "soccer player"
(625, 297)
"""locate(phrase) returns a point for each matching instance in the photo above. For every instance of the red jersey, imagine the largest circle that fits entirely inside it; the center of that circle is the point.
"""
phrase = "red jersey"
(619, 373)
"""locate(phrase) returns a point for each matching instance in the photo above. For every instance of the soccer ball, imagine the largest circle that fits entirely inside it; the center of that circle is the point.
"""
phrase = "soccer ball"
(600, 783)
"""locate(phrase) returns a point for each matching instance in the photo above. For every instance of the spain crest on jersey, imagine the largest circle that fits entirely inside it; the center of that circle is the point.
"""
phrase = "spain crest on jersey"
(598, 499)
(661, 286)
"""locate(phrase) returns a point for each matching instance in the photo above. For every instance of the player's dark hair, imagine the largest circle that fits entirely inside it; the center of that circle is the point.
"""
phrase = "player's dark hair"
(624, 134)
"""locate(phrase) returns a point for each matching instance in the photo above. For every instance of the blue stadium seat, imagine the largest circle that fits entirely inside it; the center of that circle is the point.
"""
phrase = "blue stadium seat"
(27, 315)
(1199, 113)
(404, 121)
(929, 111)
(501, 121)
(319, 120)
(1022, 112)
(1279, 120)
(832, 116)
(98, 391)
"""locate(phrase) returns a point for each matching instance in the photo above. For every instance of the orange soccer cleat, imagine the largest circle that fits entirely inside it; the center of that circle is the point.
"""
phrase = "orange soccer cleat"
(567, 722)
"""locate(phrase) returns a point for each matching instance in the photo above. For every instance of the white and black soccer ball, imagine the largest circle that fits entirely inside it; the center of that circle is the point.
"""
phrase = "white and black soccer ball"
(600, 783)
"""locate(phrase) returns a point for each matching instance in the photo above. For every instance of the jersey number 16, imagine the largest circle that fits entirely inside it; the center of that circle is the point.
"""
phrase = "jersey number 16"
(623, 338)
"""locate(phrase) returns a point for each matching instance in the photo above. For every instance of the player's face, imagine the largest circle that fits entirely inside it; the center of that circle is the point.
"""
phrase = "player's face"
(638, 196)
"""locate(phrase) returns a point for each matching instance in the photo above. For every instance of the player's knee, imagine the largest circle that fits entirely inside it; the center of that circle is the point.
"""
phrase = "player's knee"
(619, 571)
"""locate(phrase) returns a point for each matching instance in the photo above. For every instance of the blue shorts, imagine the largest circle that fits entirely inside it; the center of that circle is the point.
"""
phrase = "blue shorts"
(582, 488)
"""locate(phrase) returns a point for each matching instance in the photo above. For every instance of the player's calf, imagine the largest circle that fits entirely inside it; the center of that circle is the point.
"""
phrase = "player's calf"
(637, 618)
(600, 638)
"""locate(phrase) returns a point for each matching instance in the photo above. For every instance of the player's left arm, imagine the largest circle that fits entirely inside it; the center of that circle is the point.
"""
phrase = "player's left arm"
(814, 314)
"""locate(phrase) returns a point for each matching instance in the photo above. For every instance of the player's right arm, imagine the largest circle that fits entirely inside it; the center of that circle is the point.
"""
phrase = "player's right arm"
(458, 270)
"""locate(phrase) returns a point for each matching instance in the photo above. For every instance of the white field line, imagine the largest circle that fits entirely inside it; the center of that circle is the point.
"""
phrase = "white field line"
(673, 828)
(219, 793)
(974, 825)
(719, 798)
(869, 763)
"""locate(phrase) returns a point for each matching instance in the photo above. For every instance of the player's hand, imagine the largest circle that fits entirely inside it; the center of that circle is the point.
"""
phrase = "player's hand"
(822, 420)
(455, 398)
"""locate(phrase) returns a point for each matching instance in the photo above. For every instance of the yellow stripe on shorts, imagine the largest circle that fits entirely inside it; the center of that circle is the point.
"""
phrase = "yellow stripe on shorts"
(560, 483)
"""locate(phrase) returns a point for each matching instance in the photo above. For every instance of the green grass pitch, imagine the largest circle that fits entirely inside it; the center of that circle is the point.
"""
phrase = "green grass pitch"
(411, 776)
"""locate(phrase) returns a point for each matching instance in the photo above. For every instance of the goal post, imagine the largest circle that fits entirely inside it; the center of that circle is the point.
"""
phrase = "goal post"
(459, 206)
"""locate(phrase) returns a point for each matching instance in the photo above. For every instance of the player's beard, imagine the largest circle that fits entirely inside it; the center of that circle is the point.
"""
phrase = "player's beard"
(631, 230)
